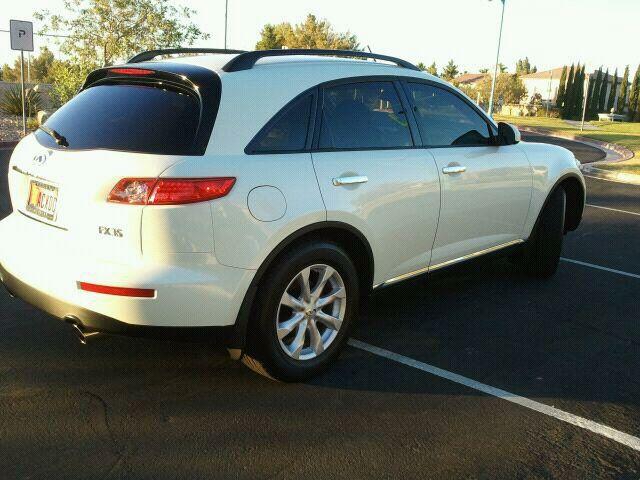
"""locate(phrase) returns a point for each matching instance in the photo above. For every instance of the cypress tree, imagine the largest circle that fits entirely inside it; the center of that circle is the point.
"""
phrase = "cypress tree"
(562, 88)
(634, 97)
(592, 83)
(602, 101)
(593, 107)
(578, 93)
(612, 92)
(568, 95)
(622, 98)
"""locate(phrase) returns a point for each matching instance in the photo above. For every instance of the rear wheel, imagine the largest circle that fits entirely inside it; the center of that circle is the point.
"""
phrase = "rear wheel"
(304, 312)
(542, 252)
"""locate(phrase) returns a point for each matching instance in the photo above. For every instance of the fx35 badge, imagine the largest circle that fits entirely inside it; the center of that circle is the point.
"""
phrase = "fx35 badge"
(111, 232)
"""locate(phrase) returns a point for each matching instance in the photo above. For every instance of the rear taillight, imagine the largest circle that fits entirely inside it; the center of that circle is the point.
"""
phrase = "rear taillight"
(131, 71)
(169, 191)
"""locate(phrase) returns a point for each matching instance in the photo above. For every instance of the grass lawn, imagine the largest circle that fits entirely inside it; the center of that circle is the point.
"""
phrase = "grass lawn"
(622, 133)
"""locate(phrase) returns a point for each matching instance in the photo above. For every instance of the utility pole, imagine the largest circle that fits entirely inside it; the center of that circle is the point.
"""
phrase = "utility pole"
(495, 73)
(226, 15)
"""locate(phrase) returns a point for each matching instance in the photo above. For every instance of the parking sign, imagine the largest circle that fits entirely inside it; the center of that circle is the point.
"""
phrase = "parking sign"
(21, 35)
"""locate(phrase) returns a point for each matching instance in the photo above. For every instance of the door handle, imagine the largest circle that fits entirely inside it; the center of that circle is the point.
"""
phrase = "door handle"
(349, 180)
(454, 169)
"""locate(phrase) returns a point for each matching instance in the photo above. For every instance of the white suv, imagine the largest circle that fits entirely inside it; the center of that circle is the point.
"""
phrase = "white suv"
(255, 196)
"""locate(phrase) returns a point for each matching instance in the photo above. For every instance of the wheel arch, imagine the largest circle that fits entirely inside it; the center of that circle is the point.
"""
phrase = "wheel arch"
(345, 235)
(575, 192)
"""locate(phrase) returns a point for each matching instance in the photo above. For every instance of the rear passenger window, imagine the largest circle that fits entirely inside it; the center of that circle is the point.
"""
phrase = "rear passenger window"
(288, 133)
(445, 119)
(363, 115)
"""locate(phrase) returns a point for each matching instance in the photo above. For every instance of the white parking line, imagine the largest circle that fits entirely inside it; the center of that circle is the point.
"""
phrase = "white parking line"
(613, 209)
(598, 267)
(611, 433)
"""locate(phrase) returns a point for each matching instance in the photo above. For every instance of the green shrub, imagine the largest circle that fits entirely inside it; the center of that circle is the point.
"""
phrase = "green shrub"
(553, 112)
(11, 102)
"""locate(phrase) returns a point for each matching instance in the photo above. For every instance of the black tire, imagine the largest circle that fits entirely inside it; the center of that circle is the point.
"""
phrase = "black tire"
(264, 353)
(542, 252)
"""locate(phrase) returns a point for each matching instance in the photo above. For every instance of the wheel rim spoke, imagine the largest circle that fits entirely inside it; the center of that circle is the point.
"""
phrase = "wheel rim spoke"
(326, 275)
(286, 327)
(329, 320)
(291, 302)
(329, 299)
(298, 342)
(315, 338)
(304, 284)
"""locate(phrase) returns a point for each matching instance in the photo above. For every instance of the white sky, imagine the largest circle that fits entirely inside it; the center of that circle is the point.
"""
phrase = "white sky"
(549, 32)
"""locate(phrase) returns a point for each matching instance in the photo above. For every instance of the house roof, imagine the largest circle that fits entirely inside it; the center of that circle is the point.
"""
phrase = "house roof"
(468, 78)
(554, 73)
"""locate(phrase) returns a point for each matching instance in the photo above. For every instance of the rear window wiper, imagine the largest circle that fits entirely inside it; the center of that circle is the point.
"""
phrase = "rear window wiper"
(60, 139)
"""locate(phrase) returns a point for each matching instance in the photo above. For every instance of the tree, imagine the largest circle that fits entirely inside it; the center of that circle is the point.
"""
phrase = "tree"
(503, 68)
(523, 67)
(612, 92)
(562, 88)
(312, 33)
(484, 70)
(589, 112)
(602, 101)
(450, 71)
(105, 31)
(432, 69)
(40, 65)
(578, 98)
(634, 98)
(509, 88)
(595, 97)
(622, 98)
(565, 112)
(67, 78)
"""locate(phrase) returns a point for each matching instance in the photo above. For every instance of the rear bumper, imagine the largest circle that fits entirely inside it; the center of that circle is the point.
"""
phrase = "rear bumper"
(91, 321)
(43, 266)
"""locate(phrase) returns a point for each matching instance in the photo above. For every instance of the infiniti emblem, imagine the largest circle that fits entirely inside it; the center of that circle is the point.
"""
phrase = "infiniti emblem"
(41, 158)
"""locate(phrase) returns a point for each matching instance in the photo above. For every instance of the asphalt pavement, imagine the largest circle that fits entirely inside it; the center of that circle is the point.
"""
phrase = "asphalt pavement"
(133, 408)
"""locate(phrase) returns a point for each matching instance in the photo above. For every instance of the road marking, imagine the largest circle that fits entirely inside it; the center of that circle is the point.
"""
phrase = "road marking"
(611, 433)
(613, 209)
(598, 267)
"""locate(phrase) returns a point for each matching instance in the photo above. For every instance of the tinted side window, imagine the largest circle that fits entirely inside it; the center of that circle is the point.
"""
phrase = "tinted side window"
(289, 132)
(363, 115)
(445, 119)
(132, 118)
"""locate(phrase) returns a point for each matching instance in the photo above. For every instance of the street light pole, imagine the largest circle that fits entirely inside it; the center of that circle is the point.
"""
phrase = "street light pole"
(226, 12)
(495, 73)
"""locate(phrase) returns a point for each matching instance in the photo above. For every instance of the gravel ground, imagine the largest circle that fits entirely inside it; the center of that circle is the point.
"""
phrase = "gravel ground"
(10, 128)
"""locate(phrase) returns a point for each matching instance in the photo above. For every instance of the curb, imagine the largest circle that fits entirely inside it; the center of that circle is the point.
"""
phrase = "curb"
(621, 177)
(624, 152)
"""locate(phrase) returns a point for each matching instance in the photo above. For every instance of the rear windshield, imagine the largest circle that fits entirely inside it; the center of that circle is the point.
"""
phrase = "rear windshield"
(133, 118)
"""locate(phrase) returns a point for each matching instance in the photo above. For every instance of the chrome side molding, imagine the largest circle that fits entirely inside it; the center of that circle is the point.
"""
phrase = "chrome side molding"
(438, 266)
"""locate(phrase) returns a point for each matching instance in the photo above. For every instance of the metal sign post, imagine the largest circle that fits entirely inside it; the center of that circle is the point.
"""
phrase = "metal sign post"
(21, 34)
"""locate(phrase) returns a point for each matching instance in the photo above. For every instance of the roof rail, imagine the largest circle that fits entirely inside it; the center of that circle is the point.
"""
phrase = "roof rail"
(245, 61)
(151, 54)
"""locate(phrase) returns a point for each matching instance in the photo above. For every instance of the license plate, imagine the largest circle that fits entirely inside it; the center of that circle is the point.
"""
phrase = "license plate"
(43, 200)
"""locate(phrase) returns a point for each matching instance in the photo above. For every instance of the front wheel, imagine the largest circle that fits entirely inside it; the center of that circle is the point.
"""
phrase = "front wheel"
(542, 252)
(305, 308)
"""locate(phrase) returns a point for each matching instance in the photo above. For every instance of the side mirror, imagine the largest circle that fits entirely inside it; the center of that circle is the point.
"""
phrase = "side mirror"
(508, 134)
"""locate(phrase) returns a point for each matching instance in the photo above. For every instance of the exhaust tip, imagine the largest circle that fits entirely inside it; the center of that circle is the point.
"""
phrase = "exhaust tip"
(79, 333)
(82, 334)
